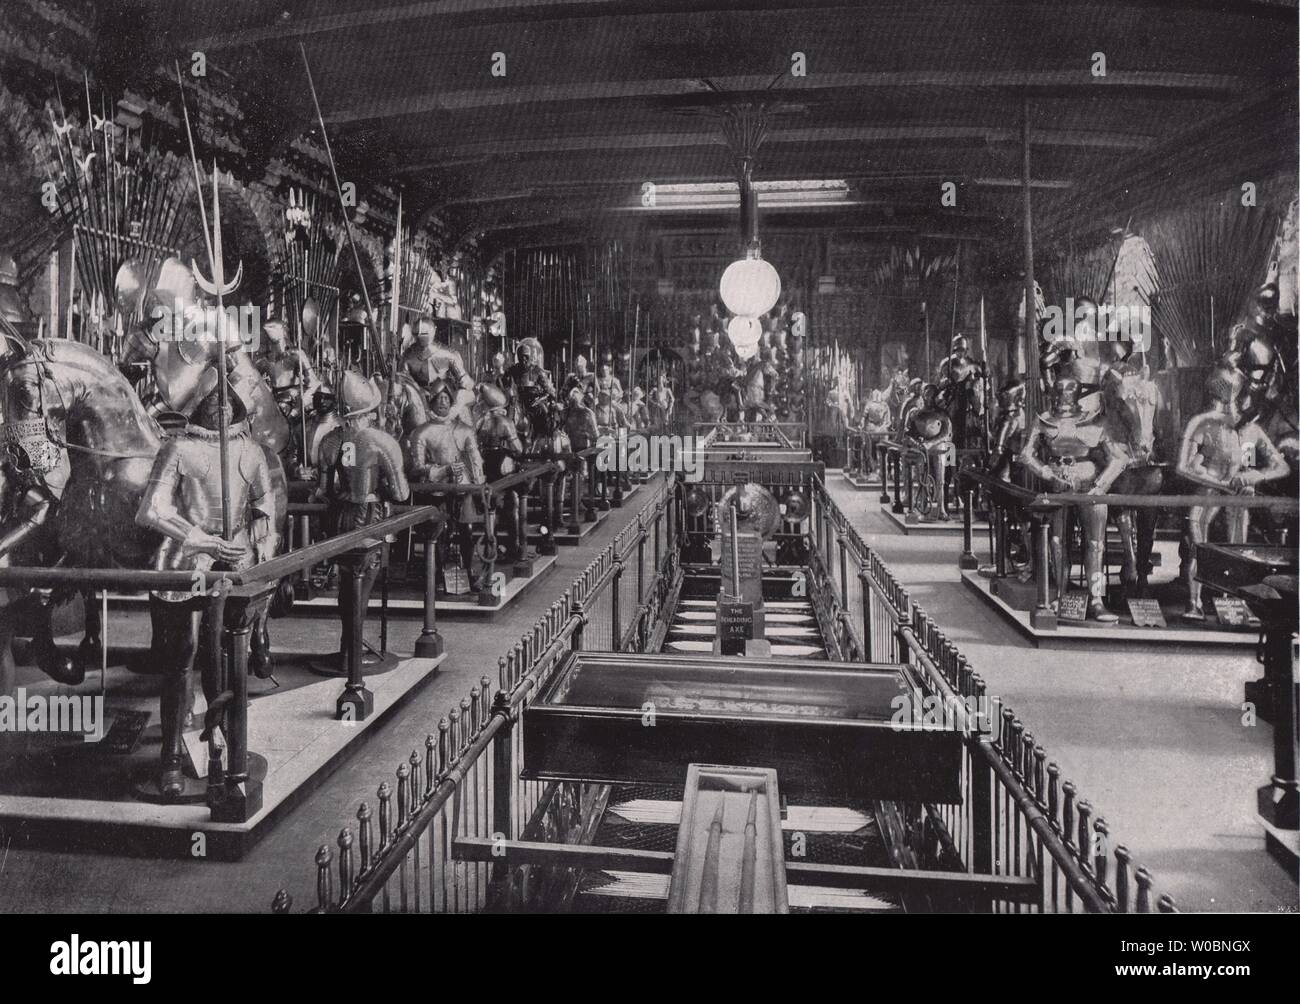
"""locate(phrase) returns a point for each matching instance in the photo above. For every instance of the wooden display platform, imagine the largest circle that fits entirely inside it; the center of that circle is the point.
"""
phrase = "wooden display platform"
(58, 791)
(918, 527)
(406, 602)
(1090, 633)
(564, 536)
(862, 484)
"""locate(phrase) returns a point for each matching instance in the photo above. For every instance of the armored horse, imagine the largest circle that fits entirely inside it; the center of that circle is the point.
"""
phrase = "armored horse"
(81, 446)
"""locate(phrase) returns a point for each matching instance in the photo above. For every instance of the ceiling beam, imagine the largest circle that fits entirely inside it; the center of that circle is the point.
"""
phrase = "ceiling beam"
(453, 14)
(825, 134)
(678, 87)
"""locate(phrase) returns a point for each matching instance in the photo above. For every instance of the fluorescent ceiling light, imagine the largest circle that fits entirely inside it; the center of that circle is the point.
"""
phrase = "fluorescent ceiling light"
(712, 195)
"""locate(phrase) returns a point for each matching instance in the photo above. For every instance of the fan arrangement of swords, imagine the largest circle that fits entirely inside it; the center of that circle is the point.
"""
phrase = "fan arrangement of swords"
(124, 205)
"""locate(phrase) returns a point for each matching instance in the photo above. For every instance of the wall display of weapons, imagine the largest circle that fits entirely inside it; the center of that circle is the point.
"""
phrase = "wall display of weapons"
(123, 202)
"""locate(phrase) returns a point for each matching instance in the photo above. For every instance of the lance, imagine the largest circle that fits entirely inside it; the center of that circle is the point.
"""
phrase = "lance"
(394, 315)
(217, 287)
(347, 223)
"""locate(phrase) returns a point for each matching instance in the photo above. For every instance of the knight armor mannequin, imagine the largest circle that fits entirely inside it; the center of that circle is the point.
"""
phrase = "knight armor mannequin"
(360, 464)
(184, 503)
(498, 438)
(875, 414)
(445, 449)
(661, 404)
(360, 476)
(959, 366)
(580, 423)
(283, 364)
(929, 429)
(427, 363)
(1070, 449)
(910, 403)
(528, 382)
(638, 415)
(1009, 433)
(609, 384)
(609, 416)
(581, 377)
(1222, 454)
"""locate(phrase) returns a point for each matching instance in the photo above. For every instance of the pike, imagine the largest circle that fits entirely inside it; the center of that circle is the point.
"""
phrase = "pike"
(216, 286)
(347, 225)
(394, 314)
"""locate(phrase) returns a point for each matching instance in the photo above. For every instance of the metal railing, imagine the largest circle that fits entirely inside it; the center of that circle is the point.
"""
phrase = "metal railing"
(1017, 817)
(1011, 506)
(466, 782)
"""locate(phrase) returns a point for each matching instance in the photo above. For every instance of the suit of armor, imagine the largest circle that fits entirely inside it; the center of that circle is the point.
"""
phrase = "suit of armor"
(609, 416)
(580, 423)
(1219, 454)
(281, 365)
(445, 449)
(360, 475)
(638, 415)
(609, 384)
(930, 430)
(498, 443)
(1009, 433)
(875, 415)
(1071, 451)
(426, 363)
(183, 504)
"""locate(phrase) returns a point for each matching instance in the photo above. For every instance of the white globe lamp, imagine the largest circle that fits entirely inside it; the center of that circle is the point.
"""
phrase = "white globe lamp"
(750, 287)
(744, 332)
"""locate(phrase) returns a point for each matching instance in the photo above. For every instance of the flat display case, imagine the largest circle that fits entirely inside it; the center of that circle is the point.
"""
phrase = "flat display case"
(1232, 567)
(830, 730)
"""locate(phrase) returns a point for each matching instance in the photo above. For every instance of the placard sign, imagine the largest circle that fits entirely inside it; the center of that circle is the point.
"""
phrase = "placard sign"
(735, 627)
(750, 551)
(1146, 613)
(1073, 606)
(1232, 611)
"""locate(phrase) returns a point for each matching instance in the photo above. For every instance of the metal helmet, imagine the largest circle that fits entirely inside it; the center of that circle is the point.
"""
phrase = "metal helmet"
(439, 388)
(960, 344)
(1225, 384)
(275, 331)
(357, 395)
(914, 385)
(491, 395)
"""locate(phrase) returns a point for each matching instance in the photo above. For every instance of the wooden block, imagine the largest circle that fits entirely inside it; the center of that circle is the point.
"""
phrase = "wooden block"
(730, 857)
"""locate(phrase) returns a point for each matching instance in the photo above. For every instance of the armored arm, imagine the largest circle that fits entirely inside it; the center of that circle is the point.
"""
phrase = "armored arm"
(471, 457)
(1269, 464)
(1191, 462)
(389, 460)
(158, 510)
(1029, 455)
(262, 503)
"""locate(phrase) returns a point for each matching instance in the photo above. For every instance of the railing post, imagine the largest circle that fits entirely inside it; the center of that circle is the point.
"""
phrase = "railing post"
(430, 644)
(1042, 615)
(575, 501)
(868, 612)
(968, 559)
(549, 518)
(615, 635)
(503, 779)
(882, 459)
(897, 456)
(357, 571)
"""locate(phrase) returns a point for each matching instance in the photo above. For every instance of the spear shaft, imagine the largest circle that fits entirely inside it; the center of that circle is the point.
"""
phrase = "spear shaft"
(347, 223)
